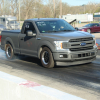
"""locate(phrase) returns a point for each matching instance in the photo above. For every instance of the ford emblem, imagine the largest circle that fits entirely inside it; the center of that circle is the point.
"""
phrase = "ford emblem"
(83, 44)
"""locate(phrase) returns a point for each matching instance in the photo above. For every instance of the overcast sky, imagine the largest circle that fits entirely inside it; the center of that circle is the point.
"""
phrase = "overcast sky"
(79, 2)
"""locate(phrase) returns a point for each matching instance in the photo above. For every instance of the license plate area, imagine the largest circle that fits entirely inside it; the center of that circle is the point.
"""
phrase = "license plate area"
(83, 55)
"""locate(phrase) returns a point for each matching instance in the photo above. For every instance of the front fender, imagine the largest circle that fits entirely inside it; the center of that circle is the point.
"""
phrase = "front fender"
(45, 44)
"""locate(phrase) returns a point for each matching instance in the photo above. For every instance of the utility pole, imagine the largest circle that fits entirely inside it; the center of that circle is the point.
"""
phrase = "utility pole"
(19, 10)
(54, 8)
(84, 7)
(3, 7)
(60, 8)
(34, 9)
(19, 13)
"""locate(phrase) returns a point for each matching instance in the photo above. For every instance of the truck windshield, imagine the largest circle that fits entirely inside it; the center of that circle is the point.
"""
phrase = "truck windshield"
(54, 26)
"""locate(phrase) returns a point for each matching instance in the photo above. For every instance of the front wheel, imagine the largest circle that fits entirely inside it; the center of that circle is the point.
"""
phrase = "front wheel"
(9, 52)
(47, 58)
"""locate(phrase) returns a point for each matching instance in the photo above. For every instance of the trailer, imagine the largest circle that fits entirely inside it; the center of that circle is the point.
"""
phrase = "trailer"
(78, 17)
(10, 22)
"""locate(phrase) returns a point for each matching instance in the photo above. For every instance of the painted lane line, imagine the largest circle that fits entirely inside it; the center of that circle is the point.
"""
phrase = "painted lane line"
(29, 84)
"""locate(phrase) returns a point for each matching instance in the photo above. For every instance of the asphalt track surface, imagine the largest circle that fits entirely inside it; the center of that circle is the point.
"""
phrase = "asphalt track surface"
(79, 80)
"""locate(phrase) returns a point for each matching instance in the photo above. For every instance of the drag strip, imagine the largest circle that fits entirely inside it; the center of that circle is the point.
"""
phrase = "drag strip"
(80, 80)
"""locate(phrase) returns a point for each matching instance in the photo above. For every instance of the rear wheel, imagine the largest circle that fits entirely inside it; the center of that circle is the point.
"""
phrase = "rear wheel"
(9, 52)
(47, 58)
(88, 30)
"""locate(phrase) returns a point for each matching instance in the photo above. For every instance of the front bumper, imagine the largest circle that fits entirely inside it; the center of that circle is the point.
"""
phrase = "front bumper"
(82, 61)
(74, 58)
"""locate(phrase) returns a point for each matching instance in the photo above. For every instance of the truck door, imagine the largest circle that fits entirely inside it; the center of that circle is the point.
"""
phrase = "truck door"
(27, 43)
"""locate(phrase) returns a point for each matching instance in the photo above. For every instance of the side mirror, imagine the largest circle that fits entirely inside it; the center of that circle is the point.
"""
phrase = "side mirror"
(30, 33)
(76, 28)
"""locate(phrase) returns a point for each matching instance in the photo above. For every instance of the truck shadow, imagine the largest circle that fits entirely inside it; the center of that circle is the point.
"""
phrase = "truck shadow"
(29, 59)
(37, 61)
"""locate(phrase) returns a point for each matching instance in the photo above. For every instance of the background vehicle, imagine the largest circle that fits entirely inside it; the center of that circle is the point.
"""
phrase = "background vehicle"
(2, 27)
(52, 40)
(91, 28)
(10, 22)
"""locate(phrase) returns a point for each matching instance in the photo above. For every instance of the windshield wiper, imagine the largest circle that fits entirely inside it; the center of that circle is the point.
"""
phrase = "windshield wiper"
(51, 31)
(59, 30)
(66, 30)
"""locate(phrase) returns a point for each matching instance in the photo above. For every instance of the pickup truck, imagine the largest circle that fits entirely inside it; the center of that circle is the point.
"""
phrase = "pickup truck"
(52, 40)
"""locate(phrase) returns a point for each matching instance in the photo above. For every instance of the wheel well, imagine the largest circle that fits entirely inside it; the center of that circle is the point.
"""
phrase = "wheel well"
(41, 50)
(7, 42)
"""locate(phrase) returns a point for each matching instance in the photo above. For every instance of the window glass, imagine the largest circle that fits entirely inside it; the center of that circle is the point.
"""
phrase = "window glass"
(88, 25)
(96, 24)
(91, 25)
(29, 26)
(54, 26)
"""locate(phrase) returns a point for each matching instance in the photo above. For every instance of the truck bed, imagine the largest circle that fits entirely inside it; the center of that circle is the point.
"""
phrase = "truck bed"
(12, 31)
(12, 36)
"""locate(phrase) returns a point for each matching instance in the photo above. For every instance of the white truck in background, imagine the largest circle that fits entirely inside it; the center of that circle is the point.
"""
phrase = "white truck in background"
(78, 17)
(10, 22)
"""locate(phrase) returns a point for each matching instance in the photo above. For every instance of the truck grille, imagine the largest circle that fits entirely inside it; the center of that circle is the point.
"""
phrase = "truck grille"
(81, 39)
(75, 44)
(81, 48)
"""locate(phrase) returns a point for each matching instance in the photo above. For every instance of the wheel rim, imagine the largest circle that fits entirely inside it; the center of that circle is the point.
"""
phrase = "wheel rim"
(45, 57)
(8, 51)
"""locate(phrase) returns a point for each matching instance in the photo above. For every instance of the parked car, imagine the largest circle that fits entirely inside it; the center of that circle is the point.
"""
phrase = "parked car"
(10, 22)
(91, 28)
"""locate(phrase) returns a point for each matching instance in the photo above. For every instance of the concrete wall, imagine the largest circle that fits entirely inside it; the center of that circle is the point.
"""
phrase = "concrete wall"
(15, 88)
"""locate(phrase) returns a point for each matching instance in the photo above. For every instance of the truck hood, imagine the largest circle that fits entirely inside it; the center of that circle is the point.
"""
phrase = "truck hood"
(68, 35)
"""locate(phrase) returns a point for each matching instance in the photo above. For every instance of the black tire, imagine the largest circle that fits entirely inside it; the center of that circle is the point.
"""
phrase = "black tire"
(47, 58)
(9, 52)
(88, 30)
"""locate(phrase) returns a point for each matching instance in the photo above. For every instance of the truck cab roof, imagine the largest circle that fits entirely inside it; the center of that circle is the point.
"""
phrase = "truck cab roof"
(43, 19)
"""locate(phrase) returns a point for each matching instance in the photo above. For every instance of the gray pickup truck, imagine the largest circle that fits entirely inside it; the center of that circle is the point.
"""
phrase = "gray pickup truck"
(52, 40)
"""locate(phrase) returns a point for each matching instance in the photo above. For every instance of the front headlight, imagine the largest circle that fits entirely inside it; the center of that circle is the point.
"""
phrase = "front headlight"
(59, 45)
